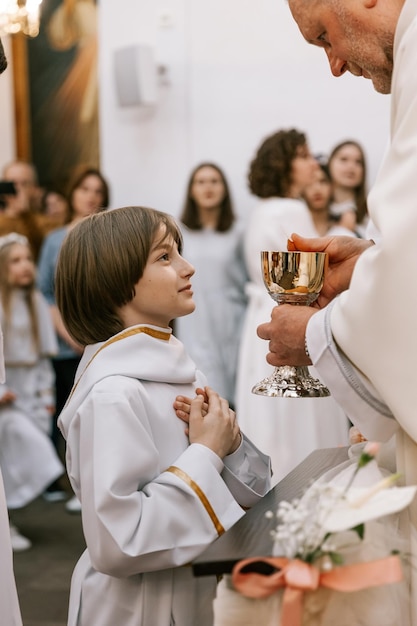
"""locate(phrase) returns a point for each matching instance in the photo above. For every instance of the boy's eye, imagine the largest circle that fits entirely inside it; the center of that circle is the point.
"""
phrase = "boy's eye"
(165, 257)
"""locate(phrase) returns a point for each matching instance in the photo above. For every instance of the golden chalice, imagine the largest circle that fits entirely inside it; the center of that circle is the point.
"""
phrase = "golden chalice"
(292, 278)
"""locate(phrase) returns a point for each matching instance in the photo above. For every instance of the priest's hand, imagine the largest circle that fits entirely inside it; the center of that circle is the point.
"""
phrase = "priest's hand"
(343, 253)
(286, 333)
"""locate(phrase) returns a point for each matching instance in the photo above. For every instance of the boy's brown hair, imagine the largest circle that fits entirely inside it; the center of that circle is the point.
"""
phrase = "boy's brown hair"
(100, 261)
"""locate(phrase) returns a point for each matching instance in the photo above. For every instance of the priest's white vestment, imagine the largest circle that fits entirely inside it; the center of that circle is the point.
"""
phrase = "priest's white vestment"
(365, 344)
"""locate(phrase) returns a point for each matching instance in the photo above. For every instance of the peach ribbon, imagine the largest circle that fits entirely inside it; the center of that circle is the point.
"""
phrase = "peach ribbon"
(296, 577)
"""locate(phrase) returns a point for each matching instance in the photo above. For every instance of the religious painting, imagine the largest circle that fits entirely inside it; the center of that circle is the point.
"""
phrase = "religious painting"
(63, 92)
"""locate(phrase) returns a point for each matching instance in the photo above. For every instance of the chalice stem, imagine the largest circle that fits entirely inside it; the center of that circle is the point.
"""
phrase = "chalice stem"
(290, 381)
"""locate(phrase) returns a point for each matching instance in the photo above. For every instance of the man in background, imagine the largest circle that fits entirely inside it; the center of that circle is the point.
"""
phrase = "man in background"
(20, 211)
(363, 337)
(28, 192)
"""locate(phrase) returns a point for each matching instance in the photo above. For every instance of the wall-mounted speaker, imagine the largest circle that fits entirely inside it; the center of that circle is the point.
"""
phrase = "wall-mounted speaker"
(136, 75)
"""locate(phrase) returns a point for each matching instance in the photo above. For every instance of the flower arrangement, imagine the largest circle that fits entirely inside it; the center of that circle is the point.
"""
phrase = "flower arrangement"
(307, 526)
(321, 552)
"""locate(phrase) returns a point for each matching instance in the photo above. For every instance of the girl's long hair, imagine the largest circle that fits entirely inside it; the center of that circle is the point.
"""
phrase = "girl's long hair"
(6, 295)
(270, 170)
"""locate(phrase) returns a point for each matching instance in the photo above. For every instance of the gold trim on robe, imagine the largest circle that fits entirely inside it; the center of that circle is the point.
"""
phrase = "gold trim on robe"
(203, 498)
(129, 332)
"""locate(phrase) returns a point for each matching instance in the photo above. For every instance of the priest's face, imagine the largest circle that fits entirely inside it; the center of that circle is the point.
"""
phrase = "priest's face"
(164, 291)
(357, 37)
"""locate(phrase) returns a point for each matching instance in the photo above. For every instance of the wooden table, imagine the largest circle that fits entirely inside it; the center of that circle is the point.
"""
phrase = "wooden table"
(249, 537)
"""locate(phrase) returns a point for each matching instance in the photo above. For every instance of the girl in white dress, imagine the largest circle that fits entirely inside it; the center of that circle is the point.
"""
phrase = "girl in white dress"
(347, 169)
(213, 243)
(155, 492)
(286, 429)
(28, 459)
(9, 601)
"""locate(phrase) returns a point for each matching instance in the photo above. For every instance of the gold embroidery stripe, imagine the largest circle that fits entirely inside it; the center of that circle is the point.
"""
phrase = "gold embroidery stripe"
(203, 498)
(157, 334)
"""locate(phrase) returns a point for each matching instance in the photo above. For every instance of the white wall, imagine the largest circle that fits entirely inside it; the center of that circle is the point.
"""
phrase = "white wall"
(237, 70)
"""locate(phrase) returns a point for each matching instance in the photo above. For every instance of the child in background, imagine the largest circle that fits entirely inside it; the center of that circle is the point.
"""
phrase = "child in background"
(28, 459)
(318, 196)
(213, 242)
(347, 169)
(155, 493)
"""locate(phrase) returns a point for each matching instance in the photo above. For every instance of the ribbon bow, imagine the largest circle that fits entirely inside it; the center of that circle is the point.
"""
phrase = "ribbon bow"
(296, 577)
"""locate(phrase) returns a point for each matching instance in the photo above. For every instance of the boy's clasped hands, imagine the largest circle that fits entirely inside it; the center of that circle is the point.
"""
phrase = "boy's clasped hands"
(211, 422)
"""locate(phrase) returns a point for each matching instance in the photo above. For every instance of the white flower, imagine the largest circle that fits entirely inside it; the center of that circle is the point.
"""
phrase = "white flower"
(347, 514)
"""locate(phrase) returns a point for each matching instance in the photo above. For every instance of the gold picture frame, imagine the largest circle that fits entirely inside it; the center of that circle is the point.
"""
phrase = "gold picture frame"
(56, 91)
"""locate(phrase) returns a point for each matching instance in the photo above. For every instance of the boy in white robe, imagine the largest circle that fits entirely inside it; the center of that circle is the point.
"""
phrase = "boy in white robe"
(154, 491)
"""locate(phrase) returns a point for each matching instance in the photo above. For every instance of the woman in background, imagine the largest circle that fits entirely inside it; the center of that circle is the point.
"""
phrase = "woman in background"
(55, 204)
(286, 429)
(213, 243)
(347, 168)
(88, 193)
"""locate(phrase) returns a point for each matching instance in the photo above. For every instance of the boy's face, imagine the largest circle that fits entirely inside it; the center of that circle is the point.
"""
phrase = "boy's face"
(164, 291)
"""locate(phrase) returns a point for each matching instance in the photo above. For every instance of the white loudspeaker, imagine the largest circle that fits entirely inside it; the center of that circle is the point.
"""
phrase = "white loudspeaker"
(136, 75)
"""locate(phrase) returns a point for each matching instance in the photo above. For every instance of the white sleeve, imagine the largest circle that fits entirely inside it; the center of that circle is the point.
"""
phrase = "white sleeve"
(247, 473)
(374, 321)
(353, 391)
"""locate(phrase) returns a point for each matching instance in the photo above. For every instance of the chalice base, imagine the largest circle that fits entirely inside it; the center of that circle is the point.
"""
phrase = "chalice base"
(289, 381)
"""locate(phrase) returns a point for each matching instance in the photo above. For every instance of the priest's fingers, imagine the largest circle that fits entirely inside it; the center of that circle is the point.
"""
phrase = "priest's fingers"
(355, 436)
(343, 252)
